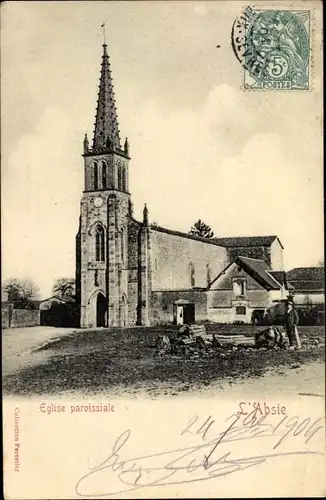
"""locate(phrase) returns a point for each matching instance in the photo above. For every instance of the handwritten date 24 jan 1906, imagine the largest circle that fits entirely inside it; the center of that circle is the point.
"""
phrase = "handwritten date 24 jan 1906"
(211, 457)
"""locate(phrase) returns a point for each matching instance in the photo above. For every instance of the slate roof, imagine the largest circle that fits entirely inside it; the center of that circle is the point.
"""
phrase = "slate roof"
(306, 279)
(241, 241)
(306, 273)
(211, 241)
(258, 269)
(247, 241)
(280, 276)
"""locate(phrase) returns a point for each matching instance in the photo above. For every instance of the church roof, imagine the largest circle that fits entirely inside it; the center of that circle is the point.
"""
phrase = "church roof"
(211, 241)
(106, 131)
(247, 241)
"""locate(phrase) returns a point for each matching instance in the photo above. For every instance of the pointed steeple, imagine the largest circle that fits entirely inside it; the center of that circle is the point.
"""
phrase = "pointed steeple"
(106, 133)
(86, 144)
(145, 216)
(126, 146)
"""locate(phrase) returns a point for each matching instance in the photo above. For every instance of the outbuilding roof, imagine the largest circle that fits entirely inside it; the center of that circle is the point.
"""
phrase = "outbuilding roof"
(306, 279)
(258, 269)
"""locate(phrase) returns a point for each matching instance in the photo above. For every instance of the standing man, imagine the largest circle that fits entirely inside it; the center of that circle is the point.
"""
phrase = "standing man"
(291, 323)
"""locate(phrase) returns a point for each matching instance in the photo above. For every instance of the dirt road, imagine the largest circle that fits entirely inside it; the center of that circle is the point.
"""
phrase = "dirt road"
(18, 345)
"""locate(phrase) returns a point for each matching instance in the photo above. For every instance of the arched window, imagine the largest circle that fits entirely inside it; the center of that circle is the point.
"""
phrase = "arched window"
(119, 177)
(192, 274)
(95, 175)
(123, 179)
(103, 175)
(99, 244)
(122, 246)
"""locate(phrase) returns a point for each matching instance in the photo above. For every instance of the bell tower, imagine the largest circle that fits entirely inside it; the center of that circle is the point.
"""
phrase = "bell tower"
(102, 239)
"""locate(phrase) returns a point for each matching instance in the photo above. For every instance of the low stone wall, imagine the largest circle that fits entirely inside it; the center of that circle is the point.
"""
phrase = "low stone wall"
(4, 318)
(20, 318)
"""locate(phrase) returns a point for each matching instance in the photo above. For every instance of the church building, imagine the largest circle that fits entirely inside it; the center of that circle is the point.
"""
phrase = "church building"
(129, 272)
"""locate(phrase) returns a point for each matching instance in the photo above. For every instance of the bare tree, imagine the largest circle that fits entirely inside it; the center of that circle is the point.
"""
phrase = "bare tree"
(12, 288)
(21, 292)
(64, 286)
(200, 228)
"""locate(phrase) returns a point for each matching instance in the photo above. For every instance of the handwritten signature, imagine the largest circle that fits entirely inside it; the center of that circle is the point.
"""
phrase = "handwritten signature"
(207, 460)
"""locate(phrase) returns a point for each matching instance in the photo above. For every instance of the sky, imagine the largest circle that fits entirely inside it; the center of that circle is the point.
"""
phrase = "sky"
(246, 162)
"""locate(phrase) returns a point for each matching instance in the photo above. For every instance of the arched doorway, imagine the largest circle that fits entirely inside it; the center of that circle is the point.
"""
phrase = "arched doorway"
(101, 310)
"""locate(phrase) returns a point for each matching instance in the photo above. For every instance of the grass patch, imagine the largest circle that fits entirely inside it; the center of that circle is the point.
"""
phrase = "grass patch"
(99, 360)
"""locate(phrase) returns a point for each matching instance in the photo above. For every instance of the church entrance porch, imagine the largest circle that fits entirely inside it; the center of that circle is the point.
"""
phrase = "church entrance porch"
(101, 310)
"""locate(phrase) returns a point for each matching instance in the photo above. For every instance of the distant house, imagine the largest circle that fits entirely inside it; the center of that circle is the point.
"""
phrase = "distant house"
(59, 311)
(307, 285)
(56, 299)
(243, 290)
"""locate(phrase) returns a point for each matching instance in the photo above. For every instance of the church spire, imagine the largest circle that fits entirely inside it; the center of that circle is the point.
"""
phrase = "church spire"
(106, 133)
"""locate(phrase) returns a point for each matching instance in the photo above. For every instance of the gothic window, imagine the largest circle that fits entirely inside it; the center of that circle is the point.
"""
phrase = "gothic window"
(104, 175)
(99, 244)
(95, 175)
(123, 179)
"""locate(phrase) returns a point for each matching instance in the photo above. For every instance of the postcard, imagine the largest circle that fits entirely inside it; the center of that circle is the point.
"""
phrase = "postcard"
(162, 249)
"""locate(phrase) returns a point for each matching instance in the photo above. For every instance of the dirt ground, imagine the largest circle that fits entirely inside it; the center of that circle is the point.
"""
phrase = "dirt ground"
(95, 362)
(19, 344)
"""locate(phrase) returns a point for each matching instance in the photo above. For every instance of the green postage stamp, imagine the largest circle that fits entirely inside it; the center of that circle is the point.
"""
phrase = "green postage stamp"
(273, 47)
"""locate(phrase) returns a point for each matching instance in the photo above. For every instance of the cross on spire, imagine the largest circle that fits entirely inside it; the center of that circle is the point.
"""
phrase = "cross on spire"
(104, 37)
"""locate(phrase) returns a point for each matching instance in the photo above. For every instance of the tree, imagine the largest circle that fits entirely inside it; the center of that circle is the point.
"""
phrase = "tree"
(200, 228)
(21, 292)
(64, 286)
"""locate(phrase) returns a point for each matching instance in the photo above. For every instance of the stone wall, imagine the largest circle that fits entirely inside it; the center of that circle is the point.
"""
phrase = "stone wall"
(222, 302)
(20, 318)
(277, 256)
(182, 262)
(4, 318)
(162, 304)
(133, 250)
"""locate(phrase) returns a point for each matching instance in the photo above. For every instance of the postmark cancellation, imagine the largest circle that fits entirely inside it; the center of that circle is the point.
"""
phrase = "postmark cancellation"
(273, 47)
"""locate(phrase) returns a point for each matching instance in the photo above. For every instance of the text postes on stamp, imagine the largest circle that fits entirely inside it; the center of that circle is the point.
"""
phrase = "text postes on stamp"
(273, 47)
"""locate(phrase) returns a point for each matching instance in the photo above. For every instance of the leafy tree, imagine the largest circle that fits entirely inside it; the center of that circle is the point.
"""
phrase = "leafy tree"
(21, 292)
(64, 286)
(200, 228)
(154, 224)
